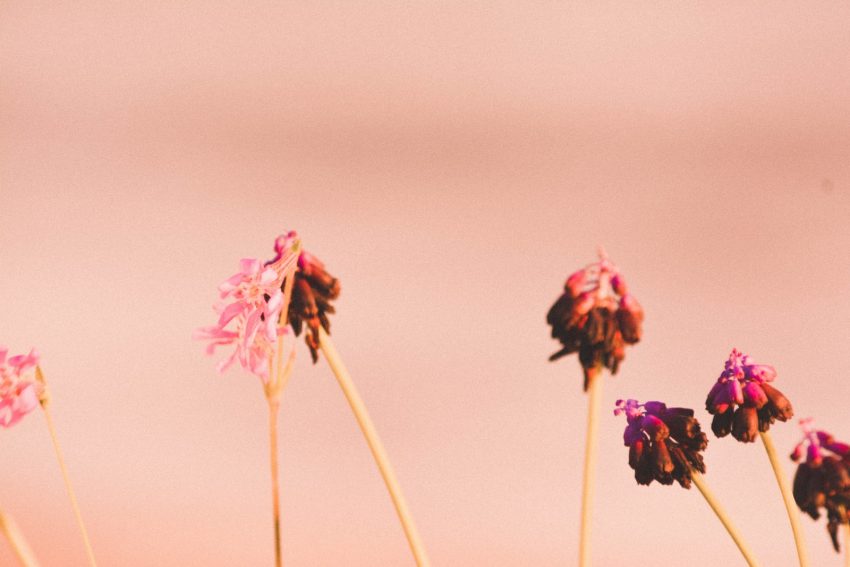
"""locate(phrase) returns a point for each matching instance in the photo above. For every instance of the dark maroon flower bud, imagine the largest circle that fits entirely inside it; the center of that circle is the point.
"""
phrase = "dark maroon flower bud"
(742, 401)
(664, 443)
(596, 318)
(823, 479)
(312, 292)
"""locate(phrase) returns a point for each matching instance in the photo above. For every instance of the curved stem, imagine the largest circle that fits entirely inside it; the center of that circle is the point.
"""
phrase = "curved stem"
(375, 445)
(16, 540)
(594, 392)
(724, 519)
(785, 489)
(68, 486)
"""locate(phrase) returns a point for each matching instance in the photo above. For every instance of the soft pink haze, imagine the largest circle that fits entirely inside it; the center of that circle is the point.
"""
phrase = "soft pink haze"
(451, 164)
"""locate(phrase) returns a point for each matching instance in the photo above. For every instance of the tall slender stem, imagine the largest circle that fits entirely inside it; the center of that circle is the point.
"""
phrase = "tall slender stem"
(785, 489)
(594, 392)
(274, 407)
(724, 519)
(68, 486)
(273, 388)
(16, 539)
(375, 445)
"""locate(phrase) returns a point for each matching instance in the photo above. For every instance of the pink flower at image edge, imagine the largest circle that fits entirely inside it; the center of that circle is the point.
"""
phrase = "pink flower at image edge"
(18, 394)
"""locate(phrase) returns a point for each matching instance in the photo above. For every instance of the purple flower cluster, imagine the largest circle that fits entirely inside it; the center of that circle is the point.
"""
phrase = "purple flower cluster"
(664, 443)
(743, 402)
(822, 479)
(596, 316)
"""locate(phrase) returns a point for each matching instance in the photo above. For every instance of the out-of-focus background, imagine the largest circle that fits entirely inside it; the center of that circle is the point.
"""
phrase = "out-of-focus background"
(451, 164)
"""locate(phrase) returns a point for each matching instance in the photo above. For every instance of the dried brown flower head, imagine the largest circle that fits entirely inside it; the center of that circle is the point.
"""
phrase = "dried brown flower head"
(822, 480)
(312, 292)
(596, 316)
(664, 443)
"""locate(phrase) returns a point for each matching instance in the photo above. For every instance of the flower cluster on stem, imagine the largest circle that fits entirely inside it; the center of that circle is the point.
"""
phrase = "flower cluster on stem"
(249, 312)
(19, 390)
(742, 402)
(596, 316)
(665, 443)
(822, 479)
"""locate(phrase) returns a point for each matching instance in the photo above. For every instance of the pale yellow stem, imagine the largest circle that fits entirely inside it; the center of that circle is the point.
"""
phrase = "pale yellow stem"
(16, 539)
(724, 519)
(785, 489)
(277, 380)
(378, 452)
(273, 411)
(594, 393)
(68, 486)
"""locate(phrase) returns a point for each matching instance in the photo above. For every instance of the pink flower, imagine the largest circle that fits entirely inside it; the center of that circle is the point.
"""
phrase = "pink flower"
(249, 315)
(596, 317)
(18, 393)
(742, 401)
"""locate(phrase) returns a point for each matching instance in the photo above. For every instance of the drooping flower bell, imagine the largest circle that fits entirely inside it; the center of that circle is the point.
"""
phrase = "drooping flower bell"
(313, 290)
(822, 479)
(742, 401)
(19, 392)
(596, 316)
(665, 444)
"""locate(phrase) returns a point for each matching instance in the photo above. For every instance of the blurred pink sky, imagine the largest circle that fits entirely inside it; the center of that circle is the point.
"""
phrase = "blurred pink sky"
(451, 164)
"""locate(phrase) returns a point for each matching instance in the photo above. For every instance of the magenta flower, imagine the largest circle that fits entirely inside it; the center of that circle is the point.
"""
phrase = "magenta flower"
(596, 316)
(743, 402)
(19, 394)
(822, 479)
(248, 316)
(664, 443)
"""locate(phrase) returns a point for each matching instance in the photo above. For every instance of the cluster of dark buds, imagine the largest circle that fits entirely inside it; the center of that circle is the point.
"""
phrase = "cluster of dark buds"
(743, 402)
(664, 443)
(596, 316)
(823, 478)
(312, 292)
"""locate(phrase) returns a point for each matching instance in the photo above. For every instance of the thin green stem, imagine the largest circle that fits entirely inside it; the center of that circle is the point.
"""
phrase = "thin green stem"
(594, 393)
(785, 489)
(724, 519)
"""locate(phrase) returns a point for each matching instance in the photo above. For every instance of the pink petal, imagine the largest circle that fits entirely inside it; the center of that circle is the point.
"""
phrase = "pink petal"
(250, 266)
(231, 311)
(736, 394)
(268, 277)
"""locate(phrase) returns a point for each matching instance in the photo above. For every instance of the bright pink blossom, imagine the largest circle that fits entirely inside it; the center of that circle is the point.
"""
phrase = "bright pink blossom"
(18, 391)
(250, 310)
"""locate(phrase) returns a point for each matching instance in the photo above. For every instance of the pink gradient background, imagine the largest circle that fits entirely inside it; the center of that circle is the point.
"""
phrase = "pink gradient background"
(451, 165)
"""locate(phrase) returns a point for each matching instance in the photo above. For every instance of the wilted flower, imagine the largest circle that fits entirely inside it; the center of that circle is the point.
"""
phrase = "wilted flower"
(19, 393)
(664, 443)
(823, 478)
(312, 293)
(596, 316)
(743, 402)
